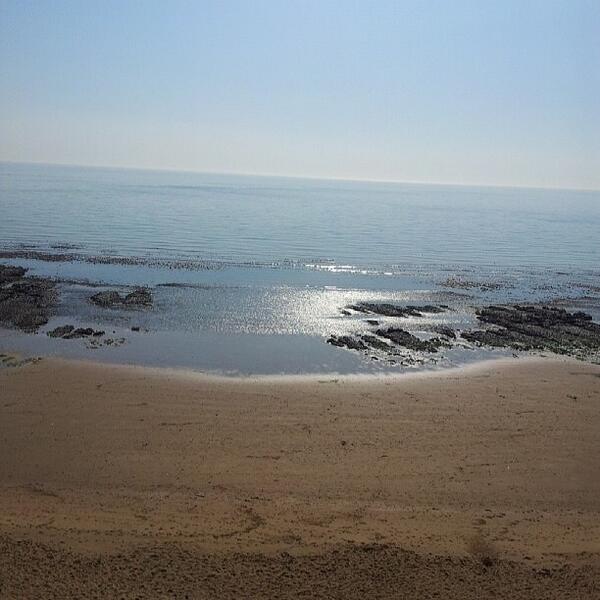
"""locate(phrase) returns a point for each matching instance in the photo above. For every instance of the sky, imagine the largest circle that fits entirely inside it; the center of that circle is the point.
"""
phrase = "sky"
(470, 92)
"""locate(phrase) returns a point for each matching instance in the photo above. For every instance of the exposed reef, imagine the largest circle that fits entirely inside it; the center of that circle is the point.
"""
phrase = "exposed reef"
(519, 327)
(69, 332)
(25, 302)
(404, 339)
(140, 297)
(525, 327)
(391, 341)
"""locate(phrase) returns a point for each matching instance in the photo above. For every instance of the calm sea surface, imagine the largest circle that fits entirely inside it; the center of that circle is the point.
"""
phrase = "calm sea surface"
(243, 267)
(271, 220)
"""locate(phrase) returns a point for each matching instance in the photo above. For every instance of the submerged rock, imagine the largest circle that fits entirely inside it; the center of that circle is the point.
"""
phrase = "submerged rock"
(392, 310)
(484, 286)
(139, 297)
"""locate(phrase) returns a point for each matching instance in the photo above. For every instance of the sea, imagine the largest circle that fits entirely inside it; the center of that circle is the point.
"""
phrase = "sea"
(251, 275)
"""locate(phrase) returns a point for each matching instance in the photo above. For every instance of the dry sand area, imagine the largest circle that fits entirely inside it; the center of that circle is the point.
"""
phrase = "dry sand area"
(122, 482)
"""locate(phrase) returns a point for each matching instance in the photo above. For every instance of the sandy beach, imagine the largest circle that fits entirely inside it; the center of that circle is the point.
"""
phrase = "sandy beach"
(127, 482)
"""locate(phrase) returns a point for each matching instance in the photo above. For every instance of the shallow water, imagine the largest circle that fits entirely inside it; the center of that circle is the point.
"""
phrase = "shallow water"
(249, 274)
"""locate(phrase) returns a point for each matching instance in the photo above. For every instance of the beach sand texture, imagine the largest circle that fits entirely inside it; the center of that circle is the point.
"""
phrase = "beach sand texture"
(124, 482)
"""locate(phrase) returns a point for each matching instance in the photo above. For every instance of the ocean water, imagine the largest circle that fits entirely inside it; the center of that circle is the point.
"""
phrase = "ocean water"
(250, 274)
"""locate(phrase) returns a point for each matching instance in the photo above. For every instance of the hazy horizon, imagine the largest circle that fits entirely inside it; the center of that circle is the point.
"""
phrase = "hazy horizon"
(468, 93)
(287, 176)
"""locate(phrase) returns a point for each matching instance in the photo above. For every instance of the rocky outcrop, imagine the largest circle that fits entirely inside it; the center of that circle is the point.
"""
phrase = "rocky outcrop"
(8, 273)
(407, 340)
(376, 343)
(141, 297)
(107, 299)
(68, 332)
(520, 327)
(25, 302)
(59, 332)
(526, 327)
(345, 341)
(445, 331)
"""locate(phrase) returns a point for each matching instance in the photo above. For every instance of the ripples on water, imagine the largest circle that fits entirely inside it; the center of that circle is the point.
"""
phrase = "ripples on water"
(272, 220)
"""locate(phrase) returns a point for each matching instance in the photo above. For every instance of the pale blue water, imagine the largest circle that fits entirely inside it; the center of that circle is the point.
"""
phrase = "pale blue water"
(267, 257)
(265, 220)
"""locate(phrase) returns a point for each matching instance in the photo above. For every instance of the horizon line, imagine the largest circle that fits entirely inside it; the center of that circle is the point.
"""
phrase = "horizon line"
(301, 177)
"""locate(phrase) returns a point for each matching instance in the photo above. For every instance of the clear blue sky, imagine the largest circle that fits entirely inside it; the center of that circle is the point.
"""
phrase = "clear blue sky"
(496, 92)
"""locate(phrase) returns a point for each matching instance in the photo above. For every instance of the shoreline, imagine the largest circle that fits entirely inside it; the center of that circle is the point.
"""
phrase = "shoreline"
(271, 331)
(479, 478)
(419, 372)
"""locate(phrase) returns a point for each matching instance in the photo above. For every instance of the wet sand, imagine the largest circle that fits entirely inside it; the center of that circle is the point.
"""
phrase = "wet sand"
(139, 483)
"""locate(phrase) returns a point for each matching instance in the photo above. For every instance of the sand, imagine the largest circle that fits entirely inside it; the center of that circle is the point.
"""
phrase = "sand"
(125, 482)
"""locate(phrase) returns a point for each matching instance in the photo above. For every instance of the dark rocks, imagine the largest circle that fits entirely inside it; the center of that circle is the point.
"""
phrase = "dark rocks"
(140, 297)
(445, 331)
(9, 273)
(403, 338)
(387, 310)
(107, 299)
(430, 308)
(25, 302)
(68, 332)
(525, 327)
(465, 284)
(392, 310)
(345, 341)
(376, 343)
(60, 331)
(79, 333)
(496, 338)
(521, 327)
